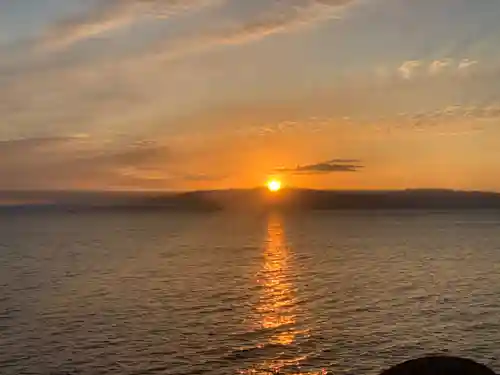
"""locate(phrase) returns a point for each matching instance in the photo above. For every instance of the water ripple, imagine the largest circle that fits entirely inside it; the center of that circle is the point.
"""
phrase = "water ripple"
(218, 294)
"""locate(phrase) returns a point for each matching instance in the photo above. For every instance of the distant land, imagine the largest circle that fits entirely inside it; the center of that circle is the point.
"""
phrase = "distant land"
(252, 199)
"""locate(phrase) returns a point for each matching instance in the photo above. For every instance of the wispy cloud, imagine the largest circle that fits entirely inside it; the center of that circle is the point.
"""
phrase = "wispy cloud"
(437, 66)
(281, 18)
(277, 17)
(89, 91)
(456, 113)
(408, 68)
(31, 144)
(114, 14)
(413, 68)
(466, 64)
(82, 162)
(330, 166)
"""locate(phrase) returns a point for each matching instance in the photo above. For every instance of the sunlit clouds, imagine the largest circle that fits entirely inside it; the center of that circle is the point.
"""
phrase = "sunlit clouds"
(204, 94)
(413, 68)
(109, 16)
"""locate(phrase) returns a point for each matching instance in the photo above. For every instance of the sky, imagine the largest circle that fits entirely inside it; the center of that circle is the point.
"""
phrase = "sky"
(215, 94)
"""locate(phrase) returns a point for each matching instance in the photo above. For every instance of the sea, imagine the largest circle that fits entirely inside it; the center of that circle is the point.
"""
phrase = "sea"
(160, 292)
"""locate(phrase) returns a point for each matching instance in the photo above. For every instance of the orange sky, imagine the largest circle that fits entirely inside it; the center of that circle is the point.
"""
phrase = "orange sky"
(211, 94)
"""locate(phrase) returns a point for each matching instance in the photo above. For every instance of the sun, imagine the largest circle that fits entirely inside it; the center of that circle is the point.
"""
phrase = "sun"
(274, 185)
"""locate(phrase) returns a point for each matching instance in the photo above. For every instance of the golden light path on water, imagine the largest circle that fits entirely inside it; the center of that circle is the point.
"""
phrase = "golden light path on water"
(277, 302)
(277, 306)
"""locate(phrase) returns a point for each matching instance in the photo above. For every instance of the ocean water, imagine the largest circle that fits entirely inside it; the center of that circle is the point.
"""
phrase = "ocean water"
(220, 293)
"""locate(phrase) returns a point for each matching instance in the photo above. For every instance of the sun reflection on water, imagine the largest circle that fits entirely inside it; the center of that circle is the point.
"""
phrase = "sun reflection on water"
(279, 317)
(276, 305)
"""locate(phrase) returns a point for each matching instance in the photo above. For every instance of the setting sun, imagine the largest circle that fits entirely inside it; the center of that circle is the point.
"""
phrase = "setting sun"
(274, 185)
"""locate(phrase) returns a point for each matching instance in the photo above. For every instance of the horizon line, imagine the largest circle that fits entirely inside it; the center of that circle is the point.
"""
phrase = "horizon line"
(288, 188)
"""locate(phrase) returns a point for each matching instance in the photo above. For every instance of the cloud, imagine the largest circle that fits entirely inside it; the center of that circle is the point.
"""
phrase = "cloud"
(278, 17)
(23, 151)
(466, 64)
(281, 19)
(437, 66)
(31, 144)
(330, 166)
(52, 162)
(107, 90)
(457, 119)
(408, 68)
(203, 177)
(138, 154)
(412, 68)
(81, 162)
(115, 14)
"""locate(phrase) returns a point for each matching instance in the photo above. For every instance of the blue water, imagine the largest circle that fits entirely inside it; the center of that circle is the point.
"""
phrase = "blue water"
(220, 293)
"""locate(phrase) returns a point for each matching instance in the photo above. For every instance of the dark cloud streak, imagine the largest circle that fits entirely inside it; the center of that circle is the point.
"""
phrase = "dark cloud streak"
(80, 162)
(330, 166)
